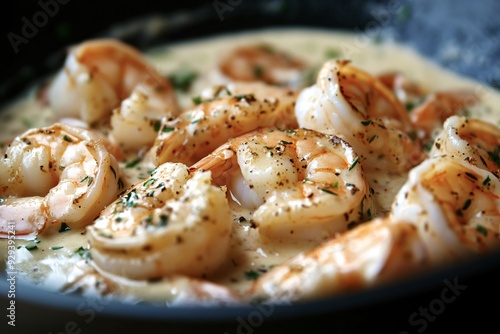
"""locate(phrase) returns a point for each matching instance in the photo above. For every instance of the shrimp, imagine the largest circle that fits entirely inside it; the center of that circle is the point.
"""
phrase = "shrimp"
(173, 223)
(198, 131)
(54, 175)
(408, 92)
(259, 90)
(371, 254)
(429, 116)
(470, 140)
(357, 107)
(136, 122)
(454, 205)
(262, 63)
(98, 75)
(300, 184)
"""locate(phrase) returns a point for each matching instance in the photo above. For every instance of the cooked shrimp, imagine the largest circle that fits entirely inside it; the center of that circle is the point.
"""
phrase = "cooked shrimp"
(262, 63)
(174, 222)
(54, 175)
(198, 131)
(455, 206)
(471, 140)
(260, 90)
(429, 116)
(300, 184)
(357, 107)
(136, 122)
(86, 279)
(371, 254)
(98, 75)
(407, 91)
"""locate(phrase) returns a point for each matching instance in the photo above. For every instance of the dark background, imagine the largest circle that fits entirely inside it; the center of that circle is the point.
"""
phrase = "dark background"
(428, 26)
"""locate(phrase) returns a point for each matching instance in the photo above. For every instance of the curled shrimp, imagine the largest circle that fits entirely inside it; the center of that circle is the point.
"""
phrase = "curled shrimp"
(371, 254)
(299, 184)
(428, 111)
(470, 140)
(97, 75)
(455, 206)
(173, 223)
(429, 116)
(360, 109)
(200, 130)
(135, 123)
(54, 175)
(407, 91)
(262, 63)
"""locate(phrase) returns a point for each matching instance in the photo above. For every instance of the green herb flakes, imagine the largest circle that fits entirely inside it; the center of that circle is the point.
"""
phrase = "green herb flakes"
(64, 227)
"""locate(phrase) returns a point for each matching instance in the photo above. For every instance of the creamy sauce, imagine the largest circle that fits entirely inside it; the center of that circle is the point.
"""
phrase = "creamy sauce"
(58, 260)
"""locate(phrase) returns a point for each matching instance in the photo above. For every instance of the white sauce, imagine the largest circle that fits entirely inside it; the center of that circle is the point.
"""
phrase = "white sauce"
(54, 267)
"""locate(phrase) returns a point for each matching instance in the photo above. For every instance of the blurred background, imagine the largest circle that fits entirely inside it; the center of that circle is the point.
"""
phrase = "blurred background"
(463, 36)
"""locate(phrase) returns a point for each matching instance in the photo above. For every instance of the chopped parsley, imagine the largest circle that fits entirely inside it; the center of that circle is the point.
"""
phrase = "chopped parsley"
(354, 163)
(481, 229)
(258, 71)
(428, 146)
(163, 220)
(183, 79)
(252, 275)
(409, 106)
(64, 227)
(149, 182)
(105, 235)
(248, 97)
(328, 191)
(494, 155)
(133, 163)
(486, 181)
(156, 125)
(130, 199)
(167, 129)
(83, 252)
(87, 178)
